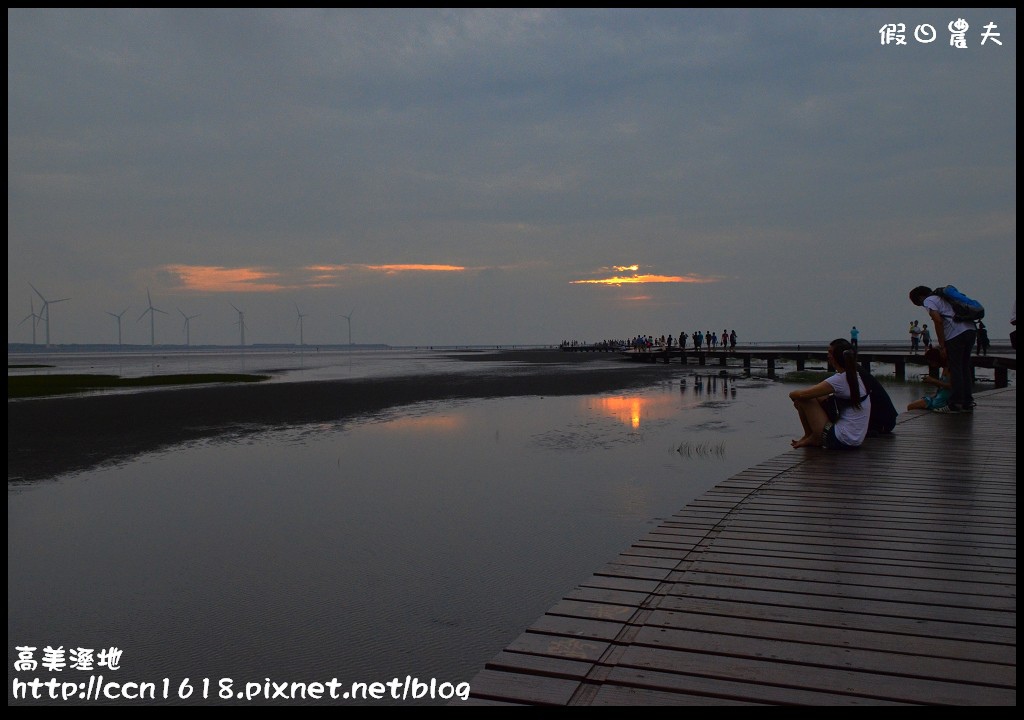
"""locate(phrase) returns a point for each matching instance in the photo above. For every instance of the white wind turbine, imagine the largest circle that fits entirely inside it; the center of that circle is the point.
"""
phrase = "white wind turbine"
(300, 324)
(44, 311)
(349, 318)
(118, 316)
(152, 318)
(35, 318)
(240, 323)
(188, 319)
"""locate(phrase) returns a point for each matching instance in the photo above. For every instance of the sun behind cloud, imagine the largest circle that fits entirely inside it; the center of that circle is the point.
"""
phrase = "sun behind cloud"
(636, 278)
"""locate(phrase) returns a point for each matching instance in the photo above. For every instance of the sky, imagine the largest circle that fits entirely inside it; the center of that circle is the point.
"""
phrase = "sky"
(506, 176)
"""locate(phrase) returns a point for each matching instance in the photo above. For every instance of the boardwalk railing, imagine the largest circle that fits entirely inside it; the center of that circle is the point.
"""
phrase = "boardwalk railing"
(1000, 364)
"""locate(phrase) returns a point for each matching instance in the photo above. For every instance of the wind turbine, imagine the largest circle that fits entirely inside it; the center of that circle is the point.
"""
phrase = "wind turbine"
(152, 318)
(349, 318)
(118, 316)
(188, 318)
(44, 311)
(35, 319)
(241, 323)
(300, 324)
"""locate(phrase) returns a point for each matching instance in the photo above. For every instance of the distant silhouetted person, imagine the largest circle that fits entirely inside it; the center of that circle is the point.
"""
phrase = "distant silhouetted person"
(854, 334)
(915, 337)
(982, 339)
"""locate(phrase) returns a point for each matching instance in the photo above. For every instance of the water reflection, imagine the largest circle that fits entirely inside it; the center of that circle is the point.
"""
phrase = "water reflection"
(420, 541)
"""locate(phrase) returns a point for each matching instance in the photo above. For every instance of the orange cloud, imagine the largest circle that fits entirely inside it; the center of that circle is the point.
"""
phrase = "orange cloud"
(413, 267)
(327, 268)
(206, 278)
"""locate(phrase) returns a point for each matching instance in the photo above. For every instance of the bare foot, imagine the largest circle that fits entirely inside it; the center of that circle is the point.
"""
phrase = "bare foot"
(805, 441)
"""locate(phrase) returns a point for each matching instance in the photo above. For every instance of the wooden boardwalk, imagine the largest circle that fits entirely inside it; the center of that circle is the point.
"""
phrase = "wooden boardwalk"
(886, 576)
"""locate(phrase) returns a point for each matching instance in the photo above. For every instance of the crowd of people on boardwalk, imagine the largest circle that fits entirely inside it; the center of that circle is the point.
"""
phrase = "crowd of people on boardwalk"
(701, 341)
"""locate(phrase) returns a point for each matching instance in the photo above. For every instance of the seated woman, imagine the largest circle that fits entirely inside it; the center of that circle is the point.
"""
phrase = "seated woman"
(848, 430)
(939, 402)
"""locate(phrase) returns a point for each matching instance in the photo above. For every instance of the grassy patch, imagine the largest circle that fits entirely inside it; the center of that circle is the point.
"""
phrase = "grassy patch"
(22, 386)
(807, 377)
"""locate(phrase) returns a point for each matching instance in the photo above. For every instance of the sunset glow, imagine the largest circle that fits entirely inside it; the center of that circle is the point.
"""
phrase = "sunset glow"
(643, 279)
(208, 278)
(633, 410)
(413, 267)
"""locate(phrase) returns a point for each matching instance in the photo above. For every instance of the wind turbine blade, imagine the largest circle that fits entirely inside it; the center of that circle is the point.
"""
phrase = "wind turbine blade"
(143, 314)
(37, 292)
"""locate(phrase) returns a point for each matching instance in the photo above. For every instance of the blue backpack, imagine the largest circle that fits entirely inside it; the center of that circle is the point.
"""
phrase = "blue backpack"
(965, 309)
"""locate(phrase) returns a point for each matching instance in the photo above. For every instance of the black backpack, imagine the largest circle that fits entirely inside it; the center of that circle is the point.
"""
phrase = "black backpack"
(883, 412)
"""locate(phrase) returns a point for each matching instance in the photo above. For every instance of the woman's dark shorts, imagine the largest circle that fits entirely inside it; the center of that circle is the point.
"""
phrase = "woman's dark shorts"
(829, 440)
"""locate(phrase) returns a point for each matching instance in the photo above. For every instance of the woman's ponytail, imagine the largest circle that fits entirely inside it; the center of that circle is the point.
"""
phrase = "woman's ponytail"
(843, 351)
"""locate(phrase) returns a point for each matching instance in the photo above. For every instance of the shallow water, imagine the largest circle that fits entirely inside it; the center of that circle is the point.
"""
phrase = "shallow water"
(416, 542)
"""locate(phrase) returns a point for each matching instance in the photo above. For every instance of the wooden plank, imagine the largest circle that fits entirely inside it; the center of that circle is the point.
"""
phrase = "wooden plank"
(769, 670)
(540, 665)
(792, 626)
(841, 599)
(522, 688)
(836, 584)
(672, 683)
(970, 642)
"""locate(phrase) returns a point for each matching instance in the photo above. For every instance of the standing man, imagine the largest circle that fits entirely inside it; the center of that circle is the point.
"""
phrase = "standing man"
(955, 339)
(854, 333)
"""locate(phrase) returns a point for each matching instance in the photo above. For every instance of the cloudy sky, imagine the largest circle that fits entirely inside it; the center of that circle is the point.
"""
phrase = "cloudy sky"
(504, 176)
